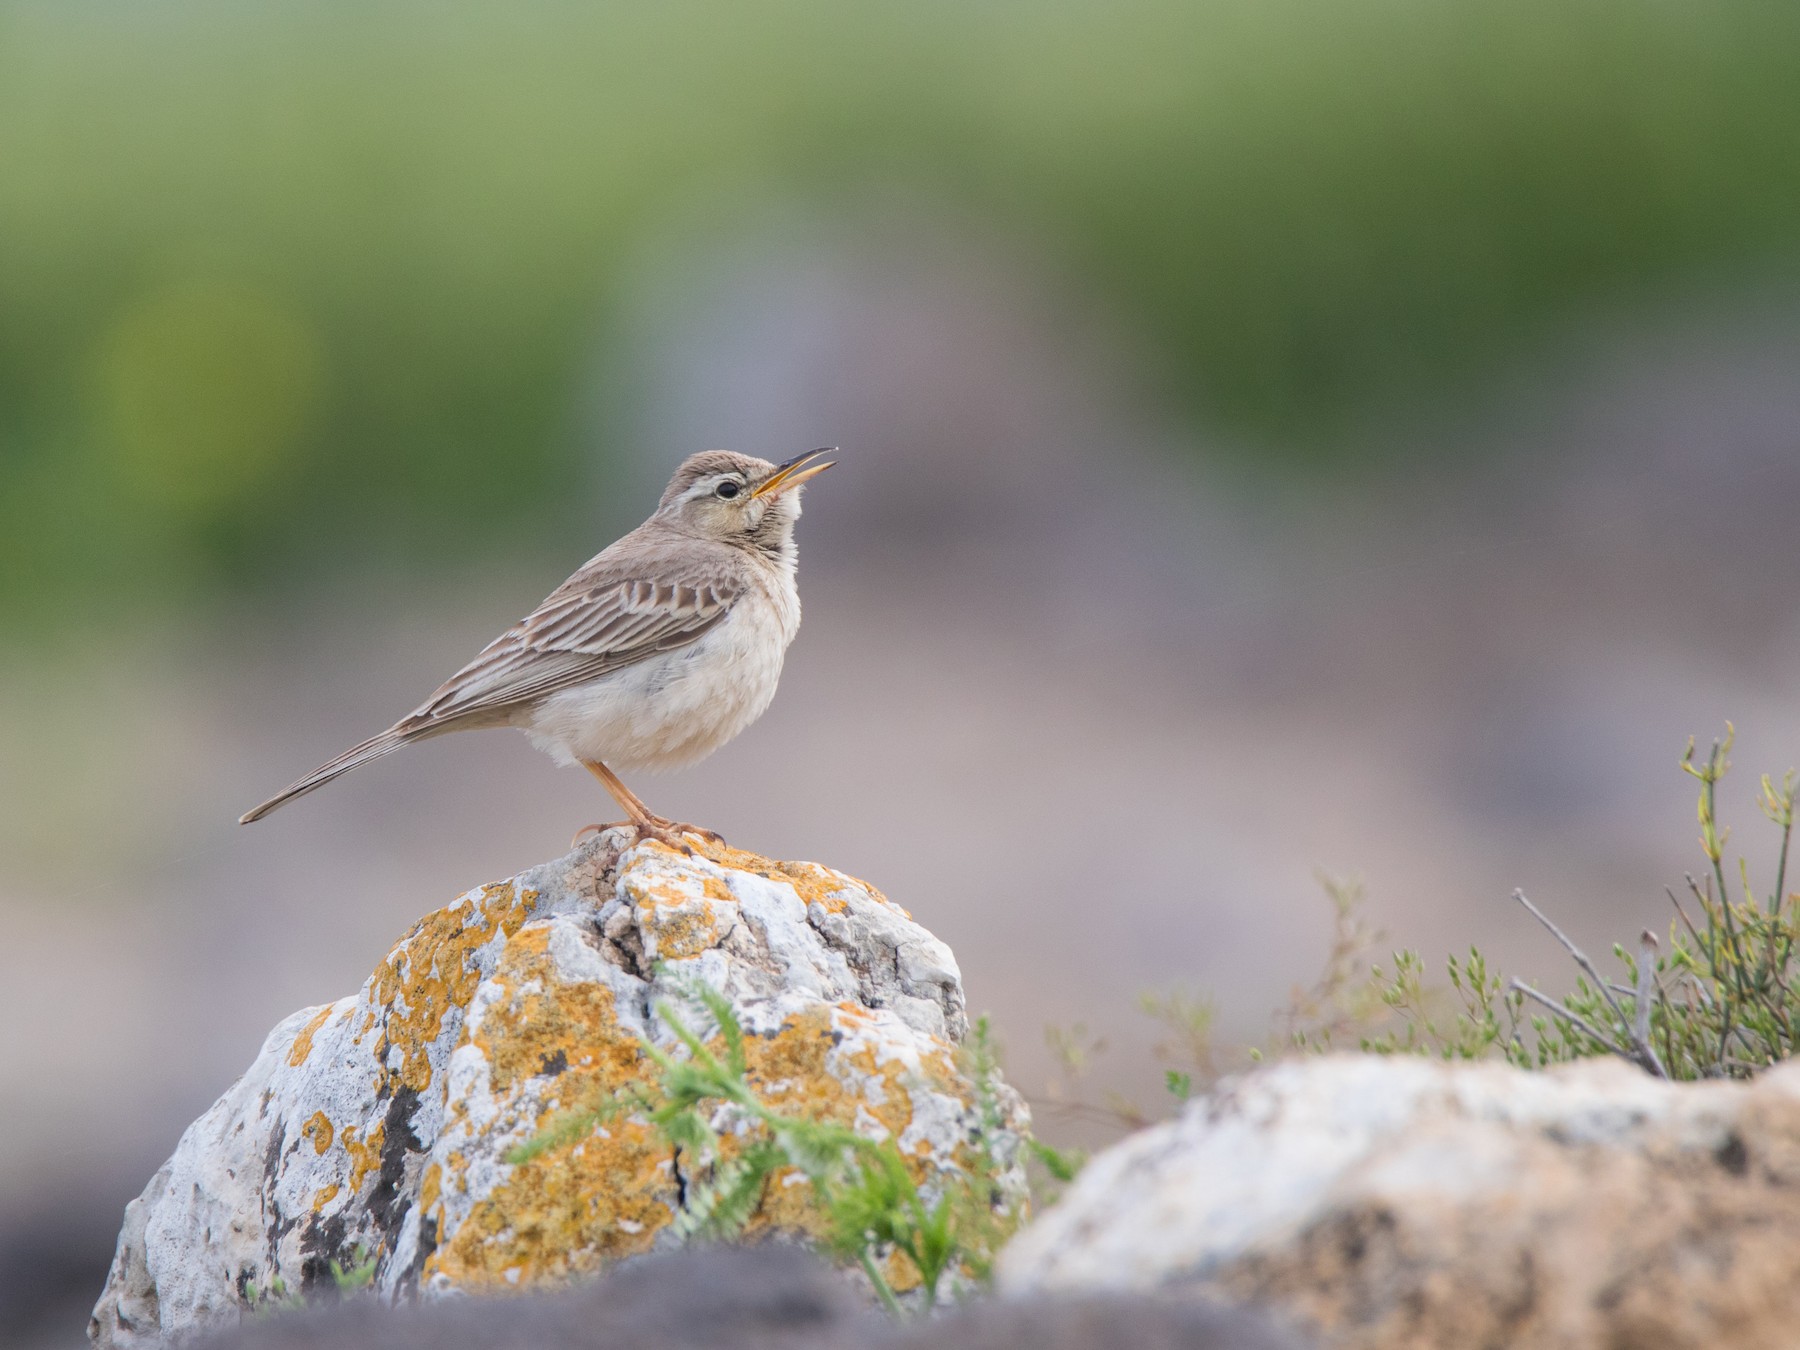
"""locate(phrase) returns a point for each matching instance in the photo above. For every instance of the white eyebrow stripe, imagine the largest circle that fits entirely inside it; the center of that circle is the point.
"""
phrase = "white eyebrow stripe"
(705, 487)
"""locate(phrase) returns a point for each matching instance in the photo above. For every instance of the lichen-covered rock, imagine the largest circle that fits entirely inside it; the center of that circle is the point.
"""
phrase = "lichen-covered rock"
(379, 1126)
(1397, 1202)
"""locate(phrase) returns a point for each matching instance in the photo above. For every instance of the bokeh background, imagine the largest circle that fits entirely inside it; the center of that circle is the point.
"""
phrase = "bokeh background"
(1278, 436)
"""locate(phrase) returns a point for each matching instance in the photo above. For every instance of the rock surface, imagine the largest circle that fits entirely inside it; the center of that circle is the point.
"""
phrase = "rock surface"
(1393, 1202)
(379, 1125)
(757, 1298)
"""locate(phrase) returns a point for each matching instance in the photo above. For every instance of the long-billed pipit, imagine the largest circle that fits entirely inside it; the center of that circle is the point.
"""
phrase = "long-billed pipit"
(653, 655)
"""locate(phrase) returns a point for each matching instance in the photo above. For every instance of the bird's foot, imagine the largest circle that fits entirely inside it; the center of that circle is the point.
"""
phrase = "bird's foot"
(670, 832)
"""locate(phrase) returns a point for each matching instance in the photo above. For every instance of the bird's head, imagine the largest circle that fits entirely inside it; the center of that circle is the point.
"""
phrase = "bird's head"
(740, 499)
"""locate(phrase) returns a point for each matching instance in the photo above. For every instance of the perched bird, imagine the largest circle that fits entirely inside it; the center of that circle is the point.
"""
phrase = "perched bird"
(653, 655)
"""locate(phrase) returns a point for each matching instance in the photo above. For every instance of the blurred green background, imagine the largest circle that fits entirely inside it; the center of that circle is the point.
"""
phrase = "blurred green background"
(1279, 435)
(282, 283)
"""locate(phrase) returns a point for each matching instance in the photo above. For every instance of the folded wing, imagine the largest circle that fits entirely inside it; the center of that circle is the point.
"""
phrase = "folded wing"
(605, 617)
(576, 636)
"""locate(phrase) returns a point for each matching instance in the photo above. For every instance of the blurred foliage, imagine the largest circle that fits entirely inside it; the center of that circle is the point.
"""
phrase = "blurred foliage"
(279, 276)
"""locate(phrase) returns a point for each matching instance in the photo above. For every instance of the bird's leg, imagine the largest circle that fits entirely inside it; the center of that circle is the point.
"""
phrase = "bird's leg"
(643, 819)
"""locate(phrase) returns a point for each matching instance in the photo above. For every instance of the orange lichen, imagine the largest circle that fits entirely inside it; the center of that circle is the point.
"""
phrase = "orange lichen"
(564, 1213)
(430, 971)
(681, 933)
(325, 1195)
(678, 922)
(571, 1208)
(302, 1046)
(817, 884)
(428, 1188)
(365, 1154)
(317, 1129)
(654, 890)
(572, 1024)
(814, 883)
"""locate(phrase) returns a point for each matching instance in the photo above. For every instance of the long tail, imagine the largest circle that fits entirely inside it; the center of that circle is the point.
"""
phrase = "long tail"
(373, 748)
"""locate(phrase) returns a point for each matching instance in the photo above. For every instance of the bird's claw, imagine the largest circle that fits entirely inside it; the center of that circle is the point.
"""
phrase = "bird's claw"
(670, 832)
(667, 832)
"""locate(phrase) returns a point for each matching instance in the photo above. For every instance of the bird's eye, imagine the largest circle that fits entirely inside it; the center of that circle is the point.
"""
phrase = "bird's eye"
(727, 490)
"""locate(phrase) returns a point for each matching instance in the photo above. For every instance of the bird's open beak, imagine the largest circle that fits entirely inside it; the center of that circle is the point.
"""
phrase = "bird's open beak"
(796, 471)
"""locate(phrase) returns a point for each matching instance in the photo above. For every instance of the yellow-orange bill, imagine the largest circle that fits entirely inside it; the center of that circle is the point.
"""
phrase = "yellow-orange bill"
(796, 471)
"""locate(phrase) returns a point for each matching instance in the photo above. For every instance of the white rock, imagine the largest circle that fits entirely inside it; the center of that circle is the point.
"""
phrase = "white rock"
(1407, 1202)
(379, 1126)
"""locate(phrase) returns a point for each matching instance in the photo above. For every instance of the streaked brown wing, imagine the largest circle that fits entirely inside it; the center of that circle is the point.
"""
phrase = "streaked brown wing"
(597, 621)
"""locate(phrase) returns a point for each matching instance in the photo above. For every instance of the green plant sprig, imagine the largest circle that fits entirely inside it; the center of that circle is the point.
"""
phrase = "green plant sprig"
(861, 1186)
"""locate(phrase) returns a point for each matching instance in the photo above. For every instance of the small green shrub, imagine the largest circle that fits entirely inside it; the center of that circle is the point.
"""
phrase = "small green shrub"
(356, 1277)
(1718, 1001)
(345, 1280)
(276, 1297)
(1718, 997)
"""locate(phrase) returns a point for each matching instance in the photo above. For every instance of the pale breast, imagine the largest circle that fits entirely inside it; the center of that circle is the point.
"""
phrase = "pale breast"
(680, 706)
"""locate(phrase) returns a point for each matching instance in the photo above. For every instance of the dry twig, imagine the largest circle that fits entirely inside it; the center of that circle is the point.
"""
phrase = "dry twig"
(1642, 1052)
